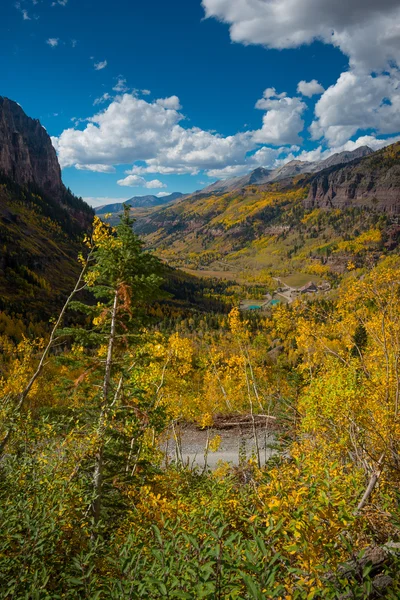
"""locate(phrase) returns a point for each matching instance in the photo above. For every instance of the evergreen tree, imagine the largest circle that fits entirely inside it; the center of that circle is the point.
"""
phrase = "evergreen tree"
(123, 279)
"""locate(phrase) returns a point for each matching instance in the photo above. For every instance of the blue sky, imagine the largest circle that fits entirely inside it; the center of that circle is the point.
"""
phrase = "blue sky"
(183, 109)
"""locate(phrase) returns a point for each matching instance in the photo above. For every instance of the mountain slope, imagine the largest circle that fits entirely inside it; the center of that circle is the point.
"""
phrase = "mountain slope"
(371, 182)
(295, 167)
(149, 201)
(272, 225)
(41, 222)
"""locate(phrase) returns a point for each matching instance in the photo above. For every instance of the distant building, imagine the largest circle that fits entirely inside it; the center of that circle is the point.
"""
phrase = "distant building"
(309, 288)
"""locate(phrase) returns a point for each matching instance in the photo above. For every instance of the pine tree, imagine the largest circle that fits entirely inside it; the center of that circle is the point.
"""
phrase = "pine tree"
(123, 279)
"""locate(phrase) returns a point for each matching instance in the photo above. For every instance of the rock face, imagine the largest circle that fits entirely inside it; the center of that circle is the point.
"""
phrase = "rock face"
(27, 155)
(291, 169)
(340, 158)
(371, 182)
(41, 222)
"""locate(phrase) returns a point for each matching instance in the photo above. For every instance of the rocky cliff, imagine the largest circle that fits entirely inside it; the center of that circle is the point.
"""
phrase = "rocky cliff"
(370, 182)
(41, 222)
(26, 153)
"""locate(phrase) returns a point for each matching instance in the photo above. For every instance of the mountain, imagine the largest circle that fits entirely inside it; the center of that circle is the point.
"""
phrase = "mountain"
(27, 155)
(371, 182)
(340, 159)
(295, 167)
(139, 202)
(256, 177)
(274, 225)
(41, 222)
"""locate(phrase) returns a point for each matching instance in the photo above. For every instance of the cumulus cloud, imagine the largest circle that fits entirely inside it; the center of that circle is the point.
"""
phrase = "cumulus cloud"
(155, 184)
(310, 88)
(171, 102)
(269, 158)
(131, 129)
(282, 121)
(162, 194)
(96, 168)
(152, 138)
(358, 101)
(321, 153)
(137, 181)
(366, 97)
(351, 25)
(53, 42)
(99, 66)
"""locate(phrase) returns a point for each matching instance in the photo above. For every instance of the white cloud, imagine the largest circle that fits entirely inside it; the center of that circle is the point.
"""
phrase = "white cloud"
(150, 135)
(104, 98)
(96, 168)
(356, 102)
(310, 88)
(53, 42)
(145, 92)
(103, 201)
(121, 86)
(365, 30)
(155, 184)
(131, 129)
(99, 66)
(162, 194)
(367, 96)
(321, 153)
(137, 181)
(282, 121)
(74, 43)
(25, 15)
(171, 102)
(269, 158)
(58, 3)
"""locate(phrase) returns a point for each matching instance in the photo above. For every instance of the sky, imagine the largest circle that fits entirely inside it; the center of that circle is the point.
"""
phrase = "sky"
(157, 96)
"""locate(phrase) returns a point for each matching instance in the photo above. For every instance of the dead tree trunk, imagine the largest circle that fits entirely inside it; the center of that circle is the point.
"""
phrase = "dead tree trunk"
(371, 485)
(98, 468)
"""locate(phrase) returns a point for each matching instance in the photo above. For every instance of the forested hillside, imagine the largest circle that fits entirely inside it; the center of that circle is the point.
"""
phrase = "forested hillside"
(99, 496)
(313, 223)
(42, 224)
(159, 438)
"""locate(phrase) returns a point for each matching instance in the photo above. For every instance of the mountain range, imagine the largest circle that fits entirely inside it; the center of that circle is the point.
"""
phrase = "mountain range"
(295, 167)
(282, 221)
(139, 202)
(298, 215)
(257, 177)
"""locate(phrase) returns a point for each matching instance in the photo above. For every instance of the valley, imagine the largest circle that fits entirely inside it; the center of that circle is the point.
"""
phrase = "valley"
(196, 381)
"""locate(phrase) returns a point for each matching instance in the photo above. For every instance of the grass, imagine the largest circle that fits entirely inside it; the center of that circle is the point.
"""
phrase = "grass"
(300, 279)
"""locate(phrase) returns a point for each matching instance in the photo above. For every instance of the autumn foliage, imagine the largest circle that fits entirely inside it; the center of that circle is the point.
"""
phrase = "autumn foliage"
(322, 374)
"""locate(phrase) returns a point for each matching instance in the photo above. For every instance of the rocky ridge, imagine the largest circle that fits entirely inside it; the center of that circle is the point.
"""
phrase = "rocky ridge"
(293, 168)
(369, 182)
(26, 153)
(41, 222)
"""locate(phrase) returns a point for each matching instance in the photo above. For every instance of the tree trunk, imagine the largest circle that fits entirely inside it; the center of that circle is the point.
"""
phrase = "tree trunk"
(98, 468)
(371, 485)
